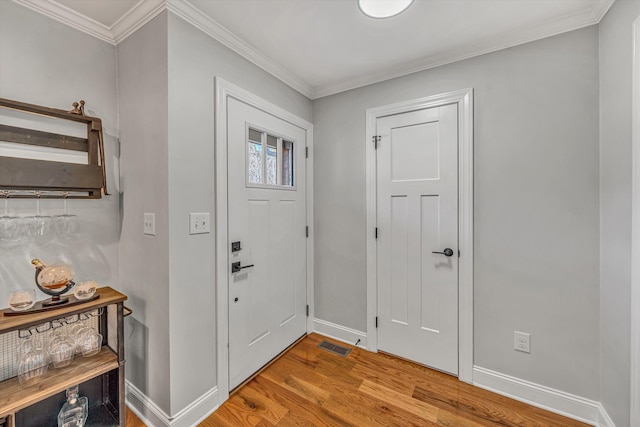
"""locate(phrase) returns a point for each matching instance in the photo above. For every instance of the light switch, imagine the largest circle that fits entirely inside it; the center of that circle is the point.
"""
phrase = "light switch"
(199, 223)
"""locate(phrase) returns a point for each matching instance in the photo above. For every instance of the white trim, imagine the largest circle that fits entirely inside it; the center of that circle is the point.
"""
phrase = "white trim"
(145, 10)
(586, 17)
(153, 416)
(340, 333)
(311, 238)
(141, 13)
(604, 420)
(187, 11)
(464, 99)
(150, 413)
(223, 91)
(70, 17)
(559, 402)
(635, 233)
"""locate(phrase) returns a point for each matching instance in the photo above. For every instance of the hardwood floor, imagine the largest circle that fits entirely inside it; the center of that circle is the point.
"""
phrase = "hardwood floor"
(308, 386)
(133, 420)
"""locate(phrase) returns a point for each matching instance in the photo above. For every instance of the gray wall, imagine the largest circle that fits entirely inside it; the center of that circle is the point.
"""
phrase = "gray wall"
(47, 63)
(182, 163)
(195, 59)
(616, 56)
(143, 100)
(536, 204)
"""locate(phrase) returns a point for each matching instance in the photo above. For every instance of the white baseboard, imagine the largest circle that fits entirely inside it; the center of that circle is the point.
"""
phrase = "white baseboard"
(604, 420)
(154, 416)
(340, 333)
(566, 404)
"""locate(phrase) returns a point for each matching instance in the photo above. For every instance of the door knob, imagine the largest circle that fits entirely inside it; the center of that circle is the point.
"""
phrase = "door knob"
(446, 252)
(236, 266)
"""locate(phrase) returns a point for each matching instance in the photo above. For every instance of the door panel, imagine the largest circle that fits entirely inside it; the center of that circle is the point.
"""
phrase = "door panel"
(267, 214)
(417, 215)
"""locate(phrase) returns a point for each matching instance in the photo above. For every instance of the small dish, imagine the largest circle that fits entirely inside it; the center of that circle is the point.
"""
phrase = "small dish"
(22, 299)
(85, 290)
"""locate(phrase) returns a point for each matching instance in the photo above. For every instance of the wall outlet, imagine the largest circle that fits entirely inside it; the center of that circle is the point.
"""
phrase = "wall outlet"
(522, 341)
(150, 224)
(199, 223)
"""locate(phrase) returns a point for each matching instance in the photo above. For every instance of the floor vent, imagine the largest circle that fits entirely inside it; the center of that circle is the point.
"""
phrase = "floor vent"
(334, 348)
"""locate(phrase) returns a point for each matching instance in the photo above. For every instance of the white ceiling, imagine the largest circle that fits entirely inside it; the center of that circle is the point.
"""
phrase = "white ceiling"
(320, 47)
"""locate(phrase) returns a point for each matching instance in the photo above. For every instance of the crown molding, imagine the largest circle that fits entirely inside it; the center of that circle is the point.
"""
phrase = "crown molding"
(136, 17)
(145, 10)
(187, 11)
(563, 24)
(61, 13)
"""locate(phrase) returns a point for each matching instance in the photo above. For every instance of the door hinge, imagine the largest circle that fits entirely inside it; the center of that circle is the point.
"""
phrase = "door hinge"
(458, 253)
(306, 152)
(306, 231)
(376, 322)
(307, 310)
(376, 139)
(376, 232)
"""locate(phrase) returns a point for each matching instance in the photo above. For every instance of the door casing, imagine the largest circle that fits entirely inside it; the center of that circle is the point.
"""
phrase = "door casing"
(223, 91)
(464, 99)
(635, 231)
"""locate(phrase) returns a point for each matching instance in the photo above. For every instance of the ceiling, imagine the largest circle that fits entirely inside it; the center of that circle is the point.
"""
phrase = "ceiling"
(321, 47)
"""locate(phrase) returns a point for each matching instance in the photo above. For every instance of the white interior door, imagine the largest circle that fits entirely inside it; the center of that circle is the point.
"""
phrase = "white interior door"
(267, 211)
(417, 208)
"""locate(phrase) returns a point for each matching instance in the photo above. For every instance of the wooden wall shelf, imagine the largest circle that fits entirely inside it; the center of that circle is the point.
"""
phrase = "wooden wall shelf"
(24, 177)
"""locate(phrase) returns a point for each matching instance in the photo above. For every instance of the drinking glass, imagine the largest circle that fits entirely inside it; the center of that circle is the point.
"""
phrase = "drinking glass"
(38, 225)
(65, 224)
(9, 225)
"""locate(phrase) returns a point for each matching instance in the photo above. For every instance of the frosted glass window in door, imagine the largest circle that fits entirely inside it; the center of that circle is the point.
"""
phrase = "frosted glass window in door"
(287, 163)
(255, 163)
(270, 160)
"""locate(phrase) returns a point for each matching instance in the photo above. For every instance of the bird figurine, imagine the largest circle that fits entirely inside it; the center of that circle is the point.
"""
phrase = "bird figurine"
(78, 108)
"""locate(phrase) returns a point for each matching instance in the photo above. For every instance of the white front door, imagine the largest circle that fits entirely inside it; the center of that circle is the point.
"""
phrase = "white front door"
(267, 242)
(417, 173)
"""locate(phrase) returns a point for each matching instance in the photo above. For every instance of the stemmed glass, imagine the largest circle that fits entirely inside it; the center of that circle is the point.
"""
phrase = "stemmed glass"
(8, 224)
(38, 225)
(65, 223)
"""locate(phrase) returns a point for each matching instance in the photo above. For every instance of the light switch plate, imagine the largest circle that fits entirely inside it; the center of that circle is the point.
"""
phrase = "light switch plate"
(150, 224)
(199, 223)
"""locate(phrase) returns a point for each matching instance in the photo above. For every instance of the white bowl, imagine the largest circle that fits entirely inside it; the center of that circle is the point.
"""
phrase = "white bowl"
(22, 299)
(85, 290)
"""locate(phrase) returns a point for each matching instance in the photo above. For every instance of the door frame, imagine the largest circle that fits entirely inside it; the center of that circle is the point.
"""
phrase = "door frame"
(464, 99)
(635, 229)
(223, 91)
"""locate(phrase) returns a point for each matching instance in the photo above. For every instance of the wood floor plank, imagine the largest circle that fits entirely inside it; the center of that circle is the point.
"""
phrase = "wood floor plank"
(369, 411)
(132, 419)
(419, 408)
(401, 385)
(254, 403)
(300, 408)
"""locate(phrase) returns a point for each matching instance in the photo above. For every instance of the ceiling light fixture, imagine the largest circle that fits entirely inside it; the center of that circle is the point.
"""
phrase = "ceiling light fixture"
(383, 8)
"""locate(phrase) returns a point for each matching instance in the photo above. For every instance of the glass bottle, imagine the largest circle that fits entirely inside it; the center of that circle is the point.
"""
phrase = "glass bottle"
(75, 410)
